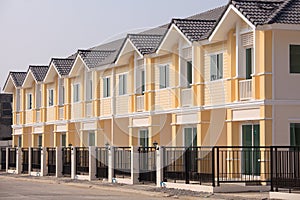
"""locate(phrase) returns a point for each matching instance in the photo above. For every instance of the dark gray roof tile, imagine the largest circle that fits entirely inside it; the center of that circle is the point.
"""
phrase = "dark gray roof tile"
(18, 78)
(94, 58)
(63, 65)
(145, 44)
(39, 72)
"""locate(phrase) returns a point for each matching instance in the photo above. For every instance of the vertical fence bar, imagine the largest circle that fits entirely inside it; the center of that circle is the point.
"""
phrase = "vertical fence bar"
(218, 166)
(213, 167)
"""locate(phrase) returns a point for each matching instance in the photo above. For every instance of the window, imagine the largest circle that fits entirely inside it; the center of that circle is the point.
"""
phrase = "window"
(89, 90)
(20, 141)
(91, 139)
(143, 81)
(294, 58)
(61, 92)
(63, 140)
(249, 63)
(38, 96)
(122, 84)
(106, 87)
(76, 94)
(189, 73)
(6, 109)
(163, 76)
(18, 99)
(216, 67)
(50, 97)
(40, 140)
(29, 101)
(295, 134)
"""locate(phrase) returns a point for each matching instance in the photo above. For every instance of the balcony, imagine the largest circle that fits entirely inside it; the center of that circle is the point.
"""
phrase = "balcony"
(186, 97)
(245, 89)
(61, 113)
(89, 109)
(140, 103)
(38, 116)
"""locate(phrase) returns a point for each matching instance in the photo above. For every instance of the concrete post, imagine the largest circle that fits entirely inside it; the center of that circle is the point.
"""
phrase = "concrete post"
(6, 161)
(58, 161)
(135, 165)
(73, 162)
(29, 160)
(159, 166)
(92, 163)
(111, 161)
(1, 158)
(44, 167)
(18, 160)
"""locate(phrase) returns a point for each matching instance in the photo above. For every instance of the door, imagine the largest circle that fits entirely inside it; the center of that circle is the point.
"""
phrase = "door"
(250, 156)
(190, 155)
(63, 140)
(143, 138)
(190, 137)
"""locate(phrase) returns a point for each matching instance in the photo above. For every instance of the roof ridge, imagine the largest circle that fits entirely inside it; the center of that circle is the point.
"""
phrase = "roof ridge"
(185, 19)
(62, 59)
(276, 14)
(91, 50)
(141, 34)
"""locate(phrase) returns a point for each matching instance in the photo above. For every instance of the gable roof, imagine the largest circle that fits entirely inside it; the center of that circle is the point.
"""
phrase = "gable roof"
(93, 58)
(260, 12)
(63, 65)
(39, 72)
(17, 77)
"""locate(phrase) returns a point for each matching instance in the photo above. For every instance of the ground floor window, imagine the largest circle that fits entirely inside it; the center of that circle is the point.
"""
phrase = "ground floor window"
(63, 140)
(92, 139)
(143, 138)
(190, 137)
(295, 134)
(20, 141)
(40, 140)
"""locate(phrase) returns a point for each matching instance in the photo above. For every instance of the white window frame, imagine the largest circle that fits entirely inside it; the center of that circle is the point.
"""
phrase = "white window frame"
(164, 78)
(18, 100)
(89, 86)
(50, 97)
(289, 60)
(76, 92)
(106, 87)
(61, 92)
(123, 84)
(38, 96)
(216, 66)
(29, 101)
(191, 127)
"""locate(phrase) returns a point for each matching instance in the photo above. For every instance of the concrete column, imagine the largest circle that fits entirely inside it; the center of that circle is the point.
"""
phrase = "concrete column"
(1, 158)
(44, 167)
(135, 165)
(159, 166)
(18, 161)
(92, 163)
(29, 160)
(111, 161)
(6, 161)
(58, 164)
(73, 162)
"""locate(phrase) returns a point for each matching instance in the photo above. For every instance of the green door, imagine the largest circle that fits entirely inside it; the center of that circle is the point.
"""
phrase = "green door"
(250, 156)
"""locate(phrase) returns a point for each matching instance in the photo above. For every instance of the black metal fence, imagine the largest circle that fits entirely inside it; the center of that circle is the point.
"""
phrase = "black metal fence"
(51, 161)
(3, 159)
(66, 161)
(147, 164)
(102, 162)
(189, 165)
(12, 158)
(25, 160)
(122, 162)
(36, 159)
(82, 160)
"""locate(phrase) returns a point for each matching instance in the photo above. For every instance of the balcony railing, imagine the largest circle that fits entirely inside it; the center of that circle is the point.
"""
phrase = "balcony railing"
(89, 109)
(186, 97)
(61, 113)
(245, 89)
(38, 116)
(140, 104)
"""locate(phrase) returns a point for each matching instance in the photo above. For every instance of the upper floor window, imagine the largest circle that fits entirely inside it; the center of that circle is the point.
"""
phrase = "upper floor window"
(216, 66)
(122, 84)
(38, 96)
(295, 59)
(164, 76)
(61, 92)
(76, 93)
(29, 101)
(189, 73)
(295, 134)
(50, 97)
(89, 86)
(106, 87)
(18, 100)
(249, 63)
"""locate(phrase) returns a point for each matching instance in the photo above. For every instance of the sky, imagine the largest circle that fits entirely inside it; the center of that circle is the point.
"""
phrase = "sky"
(34, 31)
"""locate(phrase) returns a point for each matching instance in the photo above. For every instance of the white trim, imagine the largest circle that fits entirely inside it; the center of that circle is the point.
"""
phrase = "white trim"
(123, 48)
(279, 27)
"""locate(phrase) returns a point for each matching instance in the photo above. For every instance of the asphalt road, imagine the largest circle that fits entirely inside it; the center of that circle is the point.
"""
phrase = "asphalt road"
(26, 189)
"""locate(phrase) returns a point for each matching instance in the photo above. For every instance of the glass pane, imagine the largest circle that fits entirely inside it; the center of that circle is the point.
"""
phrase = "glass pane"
(189, 73)
(295, 134)
(220, 66)
(247, 135)
(213, 67)
(108, 87)
(162, 77)
(188, 137)
(144, 138)
(143, 81)
(167, 76)
(91, 139)
(63, 140)
(294, 58)
(40, 139)
(20, 141)
(248, 63)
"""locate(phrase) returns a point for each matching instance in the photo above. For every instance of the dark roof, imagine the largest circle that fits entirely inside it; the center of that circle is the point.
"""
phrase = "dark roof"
(18, 78)
(94, 58)
(145, 44)
(213, 14)
(260, 12)
(39, 72)
(63, 65)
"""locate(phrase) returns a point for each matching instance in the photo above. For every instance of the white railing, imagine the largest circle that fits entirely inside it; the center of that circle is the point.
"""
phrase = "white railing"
(61, 113)
(140, 104)
(245, 89)
(38, 116)
(89, 109)
(186, 97)
(18, 118)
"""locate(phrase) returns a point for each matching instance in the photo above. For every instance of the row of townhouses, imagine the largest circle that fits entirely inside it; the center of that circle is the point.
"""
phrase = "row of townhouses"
(229, 76)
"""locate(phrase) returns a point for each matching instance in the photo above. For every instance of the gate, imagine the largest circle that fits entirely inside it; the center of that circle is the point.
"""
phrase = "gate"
(3, 159)
(147, 164)
(122, 162)
(102, 162)
(82, 160)
(12, 158)
(66, 161)
(25, 160)
(51, 161)
(36, 159)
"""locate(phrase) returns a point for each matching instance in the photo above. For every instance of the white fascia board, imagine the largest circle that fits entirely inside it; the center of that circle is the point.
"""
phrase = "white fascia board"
(49, 71)
(128, 41)
(27, 76)
(8, 82)
(78, 58)
(230, 8)
(173, 26)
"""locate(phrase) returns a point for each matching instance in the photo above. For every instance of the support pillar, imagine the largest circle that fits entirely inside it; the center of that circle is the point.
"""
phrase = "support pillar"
(29, 160)
(135, 165)
(73, 162)
(18, 161)
(58, 163)
(7, 159)
(92, 163)
(44, 167)
(159, 166)
(111, 161)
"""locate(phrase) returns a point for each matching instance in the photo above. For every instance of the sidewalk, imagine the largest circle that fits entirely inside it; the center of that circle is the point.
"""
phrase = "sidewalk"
(147, 189)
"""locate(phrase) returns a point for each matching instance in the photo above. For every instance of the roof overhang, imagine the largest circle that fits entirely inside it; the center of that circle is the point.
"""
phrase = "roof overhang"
(28, 80)
(227, 22)
(9, 86)
(126, 52)
(77, 66)
(171, 38)
(51, 73)
(294, 27)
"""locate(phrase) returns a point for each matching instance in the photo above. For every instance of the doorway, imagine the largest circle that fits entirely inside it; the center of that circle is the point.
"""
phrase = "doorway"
(143, 138)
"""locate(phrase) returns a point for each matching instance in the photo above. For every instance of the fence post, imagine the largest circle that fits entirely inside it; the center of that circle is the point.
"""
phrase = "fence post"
(29, 160)
(218, 167)
(73, 162)
(19, 160)
(135, 171)
(213, 167)
(92, 163)
(44, 167)
(159, 165)
(187, 165)
(58, 162)
(7, 159)
(111, 161)
(271, 162)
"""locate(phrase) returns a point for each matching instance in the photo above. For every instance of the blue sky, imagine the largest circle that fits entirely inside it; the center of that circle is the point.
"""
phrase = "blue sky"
(34, 31)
